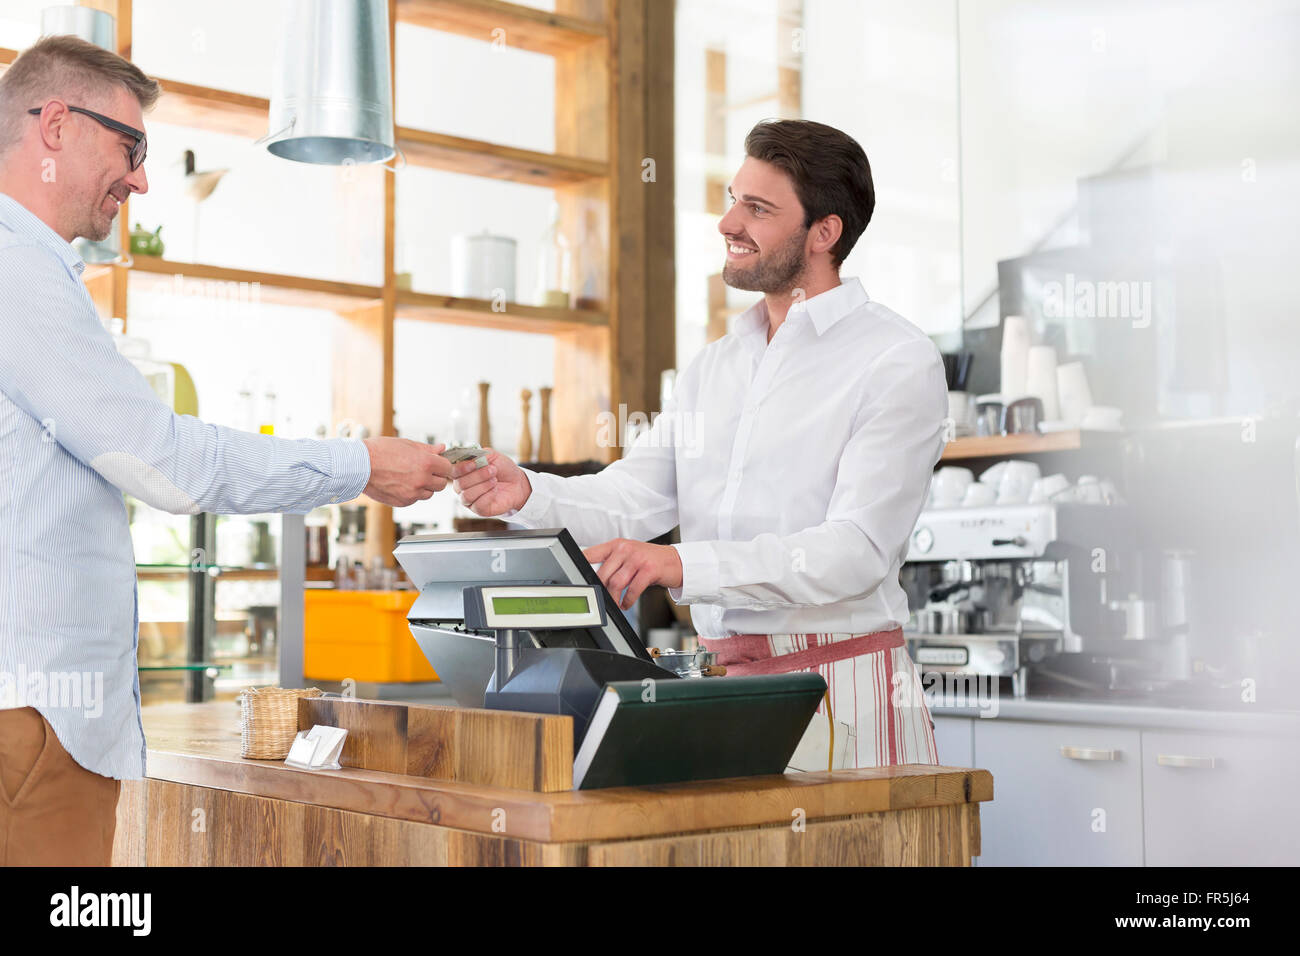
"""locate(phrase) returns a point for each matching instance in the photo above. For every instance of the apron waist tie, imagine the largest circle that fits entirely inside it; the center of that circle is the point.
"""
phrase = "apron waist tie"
(747, 654)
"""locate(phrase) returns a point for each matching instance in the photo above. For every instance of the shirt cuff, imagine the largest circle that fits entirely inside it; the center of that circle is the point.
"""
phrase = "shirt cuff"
(699, 574)
(533, 513)
(350, 469)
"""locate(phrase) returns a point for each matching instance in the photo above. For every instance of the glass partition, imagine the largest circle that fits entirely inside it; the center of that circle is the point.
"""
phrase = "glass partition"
(1130, 174)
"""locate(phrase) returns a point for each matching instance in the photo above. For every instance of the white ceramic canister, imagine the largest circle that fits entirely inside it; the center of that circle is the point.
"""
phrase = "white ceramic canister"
(483, 266)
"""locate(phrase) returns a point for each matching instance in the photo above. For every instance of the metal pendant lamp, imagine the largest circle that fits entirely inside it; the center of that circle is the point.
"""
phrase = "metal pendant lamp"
(332, 97)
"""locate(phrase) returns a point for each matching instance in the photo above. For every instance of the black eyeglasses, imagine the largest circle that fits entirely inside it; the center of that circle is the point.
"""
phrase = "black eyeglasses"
(141, 144)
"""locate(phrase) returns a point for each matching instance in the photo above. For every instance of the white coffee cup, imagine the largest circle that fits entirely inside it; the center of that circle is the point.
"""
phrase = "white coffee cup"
(979, 495)
(949, 485)
(1088, 490)
(993, 473)
(1017, 481)
(1044, 488)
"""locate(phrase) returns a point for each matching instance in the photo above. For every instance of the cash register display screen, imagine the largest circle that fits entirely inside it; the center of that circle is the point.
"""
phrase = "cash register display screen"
(540, 605)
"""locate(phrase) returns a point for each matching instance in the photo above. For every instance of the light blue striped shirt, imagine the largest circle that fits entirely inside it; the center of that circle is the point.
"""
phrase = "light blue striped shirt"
(79, 425)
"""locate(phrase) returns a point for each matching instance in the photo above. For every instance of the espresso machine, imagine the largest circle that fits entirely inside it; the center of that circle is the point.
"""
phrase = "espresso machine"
(1002, 590)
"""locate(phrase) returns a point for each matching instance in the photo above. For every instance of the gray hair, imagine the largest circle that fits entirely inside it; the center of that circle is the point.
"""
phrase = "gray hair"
(68, 68)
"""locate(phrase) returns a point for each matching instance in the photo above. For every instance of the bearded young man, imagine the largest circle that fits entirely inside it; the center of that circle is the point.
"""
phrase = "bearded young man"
(818, 422)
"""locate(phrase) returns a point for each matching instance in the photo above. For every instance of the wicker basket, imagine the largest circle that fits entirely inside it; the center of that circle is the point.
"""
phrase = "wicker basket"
(269, 720)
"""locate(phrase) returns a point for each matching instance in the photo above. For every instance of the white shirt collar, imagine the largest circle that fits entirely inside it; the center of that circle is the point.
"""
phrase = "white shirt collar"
(824, 309)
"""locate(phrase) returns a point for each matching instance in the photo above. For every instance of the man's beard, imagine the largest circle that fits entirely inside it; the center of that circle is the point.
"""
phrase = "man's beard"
(92, 231)
(91, 227)
(774, 273)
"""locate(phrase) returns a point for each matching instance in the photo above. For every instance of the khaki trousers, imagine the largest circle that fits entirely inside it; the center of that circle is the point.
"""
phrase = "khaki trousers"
(53, 811)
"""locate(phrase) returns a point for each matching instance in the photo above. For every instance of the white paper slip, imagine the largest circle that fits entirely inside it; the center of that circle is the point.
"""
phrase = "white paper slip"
(317, 749)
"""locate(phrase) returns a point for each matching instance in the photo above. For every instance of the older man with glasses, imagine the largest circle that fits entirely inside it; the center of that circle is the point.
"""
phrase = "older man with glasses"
(139, 144)
(79, 426)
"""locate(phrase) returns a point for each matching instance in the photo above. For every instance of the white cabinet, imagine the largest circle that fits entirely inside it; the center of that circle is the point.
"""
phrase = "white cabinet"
(1218, 799)
(1063, 794)
(1084, 795)
(954, 739)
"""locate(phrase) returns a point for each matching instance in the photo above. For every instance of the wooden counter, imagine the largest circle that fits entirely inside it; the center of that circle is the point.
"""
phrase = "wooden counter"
(201, 804)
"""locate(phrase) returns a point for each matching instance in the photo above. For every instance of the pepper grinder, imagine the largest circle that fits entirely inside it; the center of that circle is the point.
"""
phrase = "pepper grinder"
(484, 425)
(525, 451)
(544, 450)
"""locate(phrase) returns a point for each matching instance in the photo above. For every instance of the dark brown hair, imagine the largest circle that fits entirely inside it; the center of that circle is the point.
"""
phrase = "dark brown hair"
(830, 172)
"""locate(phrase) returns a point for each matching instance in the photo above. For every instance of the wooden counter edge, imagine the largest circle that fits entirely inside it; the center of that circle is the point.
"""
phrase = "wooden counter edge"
(585, 816)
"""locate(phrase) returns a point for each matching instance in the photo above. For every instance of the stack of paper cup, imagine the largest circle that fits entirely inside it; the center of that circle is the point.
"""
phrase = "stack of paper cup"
(1015, 357)
(1073, 392)
(1040, 379)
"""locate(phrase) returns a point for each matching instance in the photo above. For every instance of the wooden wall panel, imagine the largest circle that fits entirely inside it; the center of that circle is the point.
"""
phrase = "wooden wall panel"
(930, 836)
(532, 752)
(715, 131)
(660, 342)
(254, 812)
(615, 100)
(196, 826)
(789, 59)
(585, 382)
(132, 820)
(363, 394)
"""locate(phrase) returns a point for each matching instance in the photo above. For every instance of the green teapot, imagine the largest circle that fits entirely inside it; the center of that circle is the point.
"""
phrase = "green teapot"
(146, 243)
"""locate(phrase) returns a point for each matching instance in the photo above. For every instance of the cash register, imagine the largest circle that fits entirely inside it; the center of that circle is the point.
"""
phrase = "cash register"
(519, 620)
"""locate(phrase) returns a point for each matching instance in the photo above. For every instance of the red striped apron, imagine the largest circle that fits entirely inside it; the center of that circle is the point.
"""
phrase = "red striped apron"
(873, 685)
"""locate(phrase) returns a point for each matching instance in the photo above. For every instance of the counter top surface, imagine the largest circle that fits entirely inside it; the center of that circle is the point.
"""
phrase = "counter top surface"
(1128, 714)
(198, 745)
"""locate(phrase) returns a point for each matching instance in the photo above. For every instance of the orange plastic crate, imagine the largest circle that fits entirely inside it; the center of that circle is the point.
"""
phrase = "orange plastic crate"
(362, 635)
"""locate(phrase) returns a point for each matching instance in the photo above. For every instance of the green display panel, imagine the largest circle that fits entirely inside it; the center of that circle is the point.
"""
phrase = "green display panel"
(540, 605)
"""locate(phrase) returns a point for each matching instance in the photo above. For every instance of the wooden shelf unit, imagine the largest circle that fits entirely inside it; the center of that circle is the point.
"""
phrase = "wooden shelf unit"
(217, 111)
(1002, 446)
(245, 116)
(146, 573)
(515, 317)
(152, 274)
(164, 275)
(538, 31)
(471, 157)
(609, 117)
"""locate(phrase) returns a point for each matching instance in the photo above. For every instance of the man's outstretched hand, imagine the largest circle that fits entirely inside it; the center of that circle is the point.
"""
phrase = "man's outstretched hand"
(633, 566)
(497, 487)
(403, 472)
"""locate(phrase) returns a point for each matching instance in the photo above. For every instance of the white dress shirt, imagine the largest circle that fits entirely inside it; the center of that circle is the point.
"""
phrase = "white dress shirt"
(78, 426)
(796, 470)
